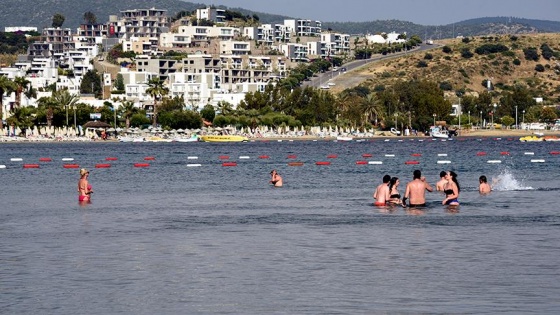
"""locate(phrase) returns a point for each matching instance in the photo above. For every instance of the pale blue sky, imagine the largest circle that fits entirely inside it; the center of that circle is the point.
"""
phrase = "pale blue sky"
(426, 12)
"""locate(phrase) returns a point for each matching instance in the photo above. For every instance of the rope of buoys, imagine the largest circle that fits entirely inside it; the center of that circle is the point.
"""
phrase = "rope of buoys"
(322, 163)
(31, 166)
(149, 158)
(229, 164)
(361, 162)
(102, 165)
(264, 157)
(45, 159)
(141, 164)
(295, 164)
(411, 162)
(366, 155)
(224, 157)
(292, 156)
(332, 156)
(111, 159)
(480, 153)
(71, 166)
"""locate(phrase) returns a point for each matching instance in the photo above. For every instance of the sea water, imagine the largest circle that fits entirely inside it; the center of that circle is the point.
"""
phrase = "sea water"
(172, 238)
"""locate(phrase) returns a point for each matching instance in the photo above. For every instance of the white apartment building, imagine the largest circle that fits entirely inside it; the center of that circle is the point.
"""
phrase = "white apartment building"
(202, 34)
(136, 84)
(295, 52)
(141, 45)
(335, 44)
(304, 27)
(195, 88)
(237, 48)
(268, 34)
(211, 14)
(174, 40)
(141, 23)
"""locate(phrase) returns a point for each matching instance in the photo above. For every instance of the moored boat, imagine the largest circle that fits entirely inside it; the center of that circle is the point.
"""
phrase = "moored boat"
(551, 138)
(530, 139)
(223, 138)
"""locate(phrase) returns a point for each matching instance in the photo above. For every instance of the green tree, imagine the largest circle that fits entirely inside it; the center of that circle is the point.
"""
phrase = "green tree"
(208, 113)
(507, 121)
(548, 115)
(22, 85)
(91, 83)
(7, 86)
(22, 117)
(90, 18)
(58, 20)
(119, 83)
(157, 90)
(127, 110)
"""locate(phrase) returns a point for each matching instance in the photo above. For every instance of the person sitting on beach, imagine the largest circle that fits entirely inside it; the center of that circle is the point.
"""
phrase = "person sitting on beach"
(441, 183)
(276, 179)
(382, 192)
(484, 187)
(416, 190)
(451, 190)
(394, 195)
(84, 188)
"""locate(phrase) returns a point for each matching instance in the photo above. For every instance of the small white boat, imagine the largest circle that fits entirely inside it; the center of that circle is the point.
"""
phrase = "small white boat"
(437, 132)
(194, 138)
(344, 138)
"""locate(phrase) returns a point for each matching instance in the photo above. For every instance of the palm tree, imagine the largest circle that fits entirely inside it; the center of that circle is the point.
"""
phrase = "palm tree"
(156, 90)
(225, 108)
(66, 100)
(22, 85)
(371, 106)
(127, 110)
(6, 86)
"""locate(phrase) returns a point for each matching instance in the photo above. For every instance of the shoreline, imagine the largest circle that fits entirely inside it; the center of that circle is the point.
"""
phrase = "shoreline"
(485, 133)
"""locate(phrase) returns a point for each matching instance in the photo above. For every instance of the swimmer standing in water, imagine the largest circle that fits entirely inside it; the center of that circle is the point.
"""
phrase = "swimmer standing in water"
(451, 190)
(416, 190)
(484, 187)
(276, 179)
(84, 188)
(382, 192)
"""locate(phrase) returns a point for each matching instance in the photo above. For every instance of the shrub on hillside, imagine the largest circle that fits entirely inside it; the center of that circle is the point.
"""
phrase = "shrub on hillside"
(547, 52)
(539, 68)
(531, 53)
(466, 53)
(487, 49)
(422, 64)
(446, 49)
(446, 86)
(428, 56)
(516, 62)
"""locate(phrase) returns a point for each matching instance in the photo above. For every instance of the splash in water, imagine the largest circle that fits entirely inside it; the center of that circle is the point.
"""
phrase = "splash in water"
(507, 181)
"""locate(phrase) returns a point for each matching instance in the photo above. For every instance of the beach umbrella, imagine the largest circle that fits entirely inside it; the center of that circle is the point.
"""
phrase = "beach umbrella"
(180, 130)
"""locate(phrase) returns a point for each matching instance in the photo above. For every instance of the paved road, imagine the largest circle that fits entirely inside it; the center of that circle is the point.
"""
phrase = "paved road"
(322, 78)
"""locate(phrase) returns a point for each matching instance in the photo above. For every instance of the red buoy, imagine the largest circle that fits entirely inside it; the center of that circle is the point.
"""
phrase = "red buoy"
(141, 164)
(111, 159)
(295, 164)
(332, 156)
(149, 158)
(322, 163)
(264, 157)
(43, 159)
(224, 157)
(71, 166)
(361, 162)
(102, 165)
(31, 166)
(229, 164)
(411, 162)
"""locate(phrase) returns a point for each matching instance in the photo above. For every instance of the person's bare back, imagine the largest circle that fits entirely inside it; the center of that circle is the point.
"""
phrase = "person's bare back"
(416, 190)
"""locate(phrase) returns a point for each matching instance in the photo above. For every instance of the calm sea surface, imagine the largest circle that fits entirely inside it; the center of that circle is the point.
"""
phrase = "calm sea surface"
(176, 239)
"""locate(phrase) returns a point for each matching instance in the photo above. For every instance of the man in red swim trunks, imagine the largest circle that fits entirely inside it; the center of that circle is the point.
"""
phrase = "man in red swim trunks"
(382, 193)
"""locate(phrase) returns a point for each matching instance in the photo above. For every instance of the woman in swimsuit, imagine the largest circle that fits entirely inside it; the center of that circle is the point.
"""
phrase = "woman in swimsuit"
(451, 190)
(84, 188)
(395, 196)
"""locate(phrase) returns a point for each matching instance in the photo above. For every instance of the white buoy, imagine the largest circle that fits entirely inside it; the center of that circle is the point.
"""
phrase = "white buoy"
(16, 159)
(244, 157)
(494, 161)
(192, 157)
(442, 154)
(194, 165)
(537, 161)
(68, 159)
(389, 155)
(444, 162)
(529, 153)
(2, 166)
(375, 162)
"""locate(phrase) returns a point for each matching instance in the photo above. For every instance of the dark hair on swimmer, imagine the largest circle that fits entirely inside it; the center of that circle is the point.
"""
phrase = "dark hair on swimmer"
(454, 179)
(483, 179)
(393, 182)
(386, 179)
(416, 174)
(442, 173)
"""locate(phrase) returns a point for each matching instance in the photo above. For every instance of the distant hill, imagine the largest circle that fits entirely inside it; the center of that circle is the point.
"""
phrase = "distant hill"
(504, 59)
(39, 13)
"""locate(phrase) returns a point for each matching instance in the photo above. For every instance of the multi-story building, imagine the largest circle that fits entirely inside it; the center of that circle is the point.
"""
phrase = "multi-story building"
(93, 33)
(211, 14)
(268, 34)
(295, 52)
(238, 48)
(161, 67)
(141, 45)
(142, 23)
(136, 84)
(335, 44)
(304, 27)
(54, 42)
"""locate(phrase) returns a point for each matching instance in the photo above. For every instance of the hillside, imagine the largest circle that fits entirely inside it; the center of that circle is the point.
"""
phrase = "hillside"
(456, 73)
(39, 13)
